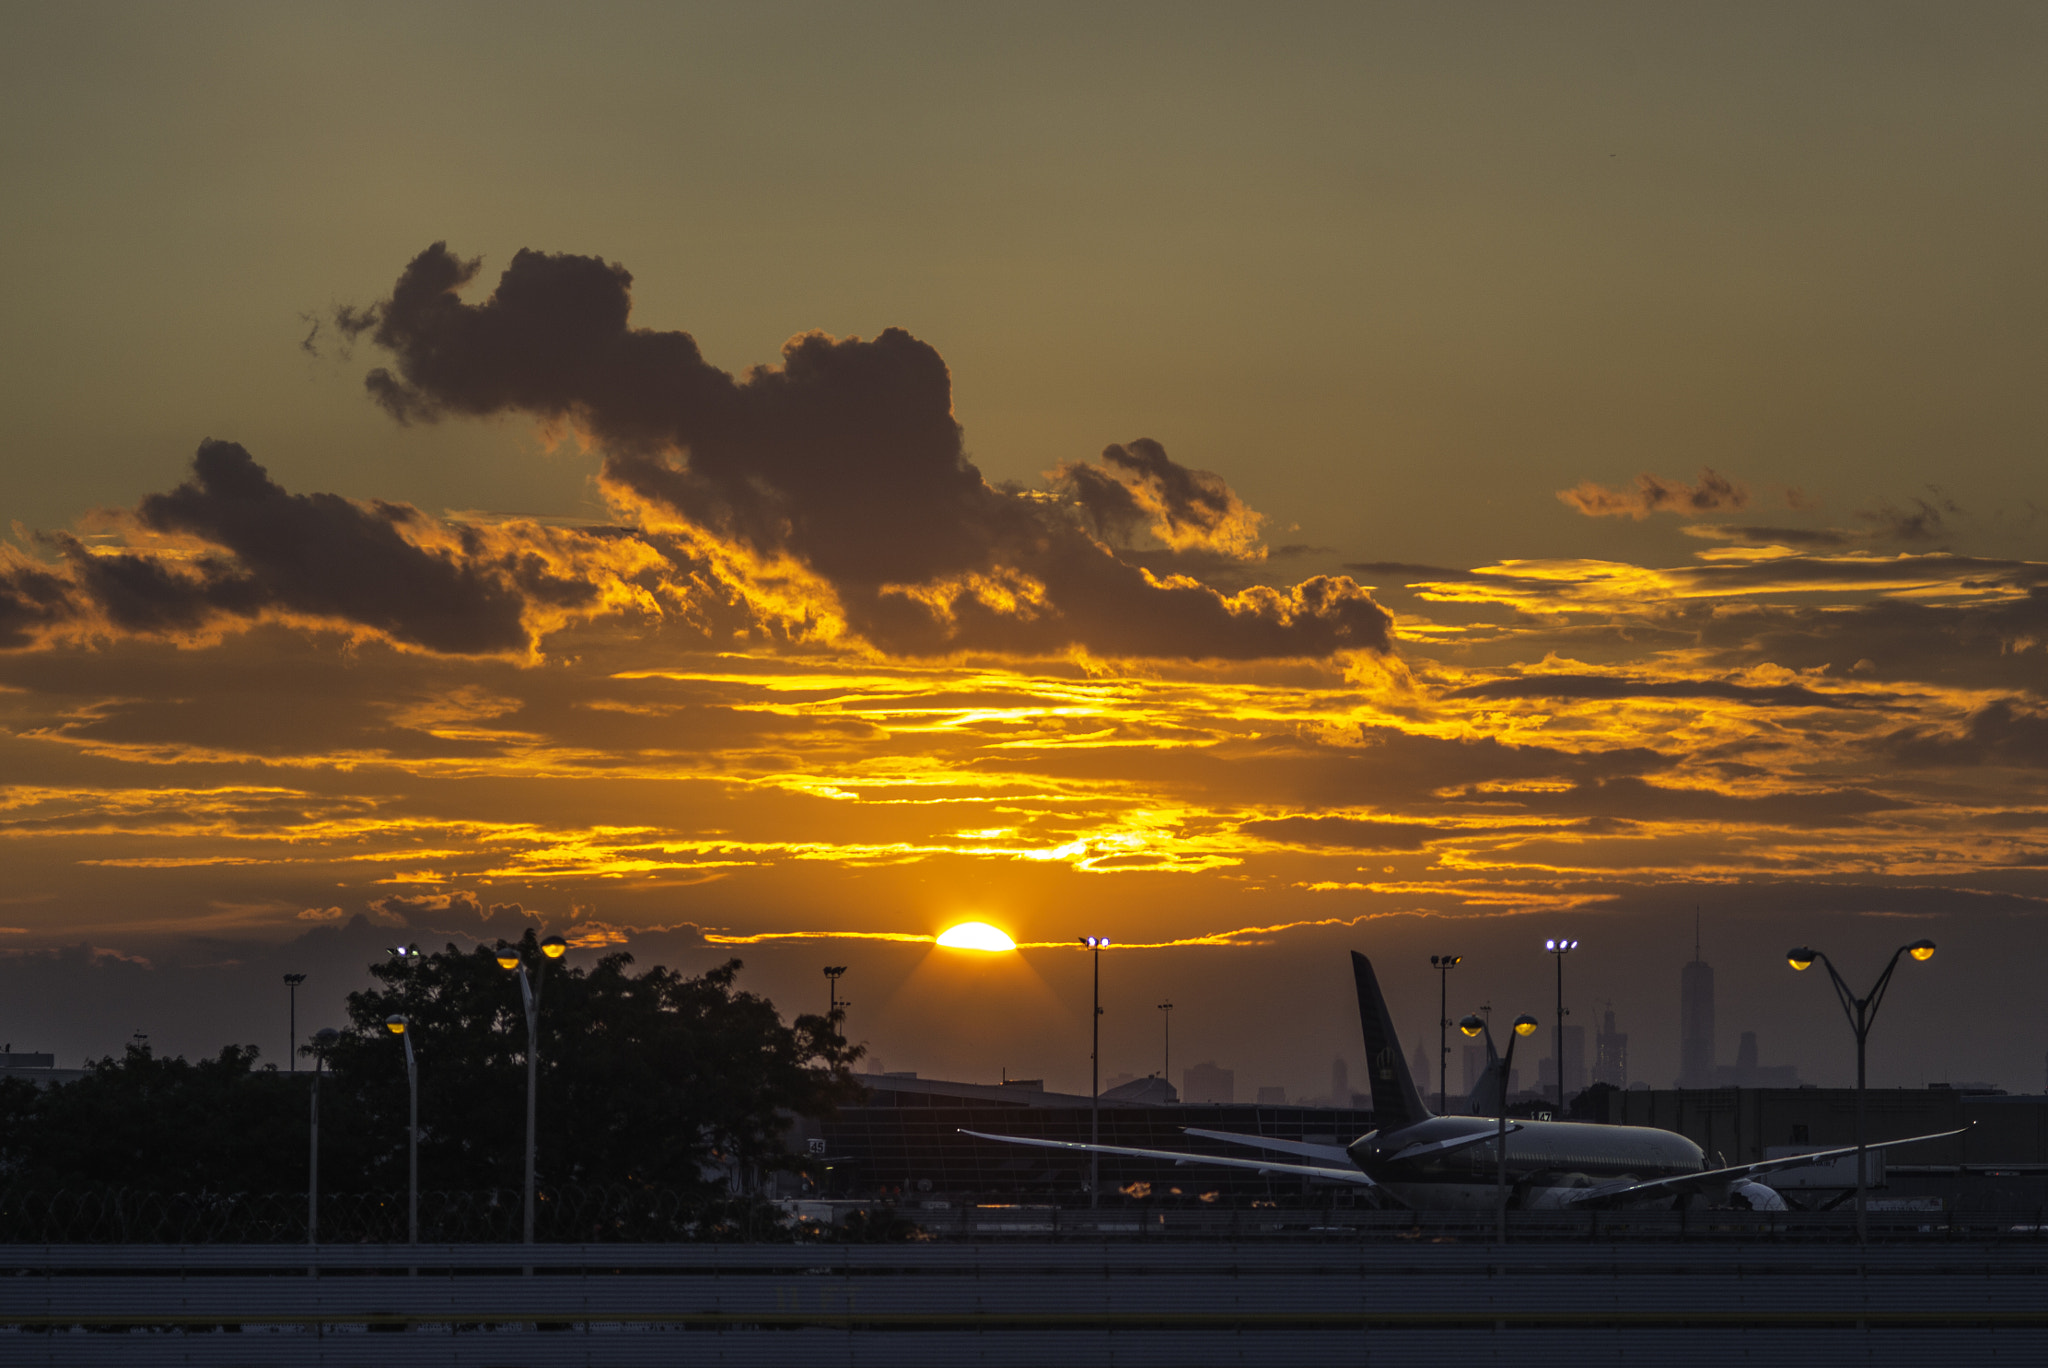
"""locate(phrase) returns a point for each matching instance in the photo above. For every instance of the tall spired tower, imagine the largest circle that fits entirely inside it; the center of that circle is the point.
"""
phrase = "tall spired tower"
(1696, 1018)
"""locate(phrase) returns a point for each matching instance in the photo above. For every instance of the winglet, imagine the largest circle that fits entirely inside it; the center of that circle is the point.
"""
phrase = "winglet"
(1395, 1102)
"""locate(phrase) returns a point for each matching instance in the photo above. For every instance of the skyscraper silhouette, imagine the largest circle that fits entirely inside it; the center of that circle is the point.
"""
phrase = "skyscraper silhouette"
(1696, 1018)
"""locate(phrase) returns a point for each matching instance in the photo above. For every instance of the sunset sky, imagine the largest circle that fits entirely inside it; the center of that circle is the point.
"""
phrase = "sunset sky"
(1248, 482)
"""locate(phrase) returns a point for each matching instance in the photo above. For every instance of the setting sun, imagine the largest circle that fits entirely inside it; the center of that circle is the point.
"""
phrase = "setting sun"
(975, 936)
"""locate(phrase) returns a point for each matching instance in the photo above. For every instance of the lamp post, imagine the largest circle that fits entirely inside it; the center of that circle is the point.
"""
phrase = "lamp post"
(322, 1041)
(1166, 1017)
(1524, 1025)
(510, 960)
(291, 983)
(1443, 965)
(1862, 1012)
(832, 973)
(402, 1028)
(1096, 945)
(1559, 949)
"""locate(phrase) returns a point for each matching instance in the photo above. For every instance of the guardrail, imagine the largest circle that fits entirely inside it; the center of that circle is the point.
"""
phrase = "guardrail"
(1019, 1303)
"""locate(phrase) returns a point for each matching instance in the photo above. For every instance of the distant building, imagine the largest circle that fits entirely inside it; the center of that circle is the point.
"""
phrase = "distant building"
(1574, 1064)
(1272, 1095)
(1423, 1069)
(1207, 1083)
(1150, 1091)
(1696, 1024)
(1610, 1053)
(1475, 1067)
(1745, 1072)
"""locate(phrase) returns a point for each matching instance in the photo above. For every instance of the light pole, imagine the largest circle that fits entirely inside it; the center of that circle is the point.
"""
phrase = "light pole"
(510, 960)
(1559, 949)
(1166, 1017)
(322, 1041)
(1524, 1025)
(1861, 1011)
(291, 983)
(832, 973)
(1443, 964)
(401, 1028)
(1096, 945)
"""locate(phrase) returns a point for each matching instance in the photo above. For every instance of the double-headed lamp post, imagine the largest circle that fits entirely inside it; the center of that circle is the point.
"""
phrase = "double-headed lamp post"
(1861, 1011)
(1095, 945)
(402, 1028)
(1558, 950)
(1443, 964)
(1524, 1025)
(323, 1041)
(511, 961)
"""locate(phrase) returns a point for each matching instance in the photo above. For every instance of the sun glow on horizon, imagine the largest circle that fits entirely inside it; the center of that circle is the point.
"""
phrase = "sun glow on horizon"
(976, 936)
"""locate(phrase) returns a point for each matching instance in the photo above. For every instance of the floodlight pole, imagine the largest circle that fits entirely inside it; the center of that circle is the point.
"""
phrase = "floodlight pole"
(320, 1044)
(1444, 964)
(1166, 1016)
(1095, 945)
(291, 1052)
(1558, 950)
(1862, 1014)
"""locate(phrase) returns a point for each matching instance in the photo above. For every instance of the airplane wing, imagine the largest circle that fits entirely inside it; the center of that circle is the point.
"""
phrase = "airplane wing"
(1347, 1174)
(1329, 1154)
(1684, 1182)
(1455, 1142)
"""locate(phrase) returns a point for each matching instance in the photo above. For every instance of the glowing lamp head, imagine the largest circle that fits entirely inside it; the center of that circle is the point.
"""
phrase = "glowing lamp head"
(1800, 957)
(976, 936)
(1096, 942)
(396, 1025)
(1559, 947)
(1446, 961)
(554, 947)
(1471, 1026)
(1921, 950)
(507, 957)
(1525, 1025)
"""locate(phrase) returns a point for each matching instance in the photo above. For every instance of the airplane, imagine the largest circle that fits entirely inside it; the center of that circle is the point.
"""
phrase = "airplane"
(1422, 1161)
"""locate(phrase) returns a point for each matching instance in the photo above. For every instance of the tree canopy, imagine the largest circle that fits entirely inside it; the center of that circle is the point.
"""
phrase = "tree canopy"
(654, 1078)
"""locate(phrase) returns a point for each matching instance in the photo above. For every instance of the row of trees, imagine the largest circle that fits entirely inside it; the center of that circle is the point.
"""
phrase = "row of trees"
(648, 1079)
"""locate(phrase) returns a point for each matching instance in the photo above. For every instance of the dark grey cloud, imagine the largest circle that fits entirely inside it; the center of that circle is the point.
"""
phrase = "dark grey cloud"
(325, 556)
(1653, 495)
(845, 457)
(2000, 733)
(1401, 569)
(1628, 798)
(31, 600)
(1608, 687)
(1345, 833)
(1781, 536)
(1919, 520)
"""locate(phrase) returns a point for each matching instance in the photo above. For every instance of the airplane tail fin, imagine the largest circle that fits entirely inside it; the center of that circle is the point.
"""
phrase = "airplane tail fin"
(1395, 1102)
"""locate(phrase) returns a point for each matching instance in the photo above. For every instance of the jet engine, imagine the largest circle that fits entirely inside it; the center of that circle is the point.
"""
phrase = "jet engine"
(1755, 1197)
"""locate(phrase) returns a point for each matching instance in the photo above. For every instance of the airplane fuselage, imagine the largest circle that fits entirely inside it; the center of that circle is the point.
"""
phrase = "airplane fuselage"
(1546, 1159)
